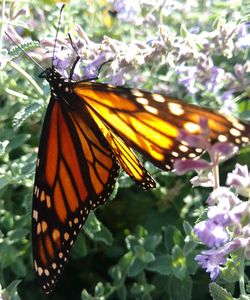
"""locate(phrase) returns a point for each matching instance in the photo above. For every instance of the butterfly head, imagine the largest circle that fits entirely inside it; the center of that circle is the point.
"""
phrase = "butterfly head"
(51, 74)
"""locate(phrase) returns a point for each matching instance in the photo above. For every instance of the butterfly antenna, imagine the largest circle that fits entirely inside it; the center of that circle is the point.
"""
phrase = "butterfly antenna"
(26, 53)
(57, 30)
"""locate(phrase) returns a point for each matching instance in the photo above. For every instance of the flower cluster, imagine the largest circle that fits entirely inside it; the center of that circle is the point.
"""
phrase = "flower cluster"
(226, 228)
(191, 57)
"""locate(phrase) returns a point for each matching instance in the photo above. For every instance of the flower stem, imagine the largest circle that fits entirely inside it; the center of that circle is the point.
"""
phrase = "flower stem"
(241, 278)
(2, 25)
(215, 171)
(2, 28)
(27, 76)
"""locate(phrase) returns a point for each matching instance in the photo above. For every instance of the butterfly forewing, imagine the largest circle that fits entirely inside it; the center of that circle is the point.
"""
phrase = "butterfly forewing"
(76, 171)
(151, 123)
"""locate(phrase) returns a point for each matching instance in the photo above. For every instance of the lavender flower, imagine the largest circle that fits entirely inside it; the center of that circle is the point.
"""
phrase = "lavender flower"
(211, 234)
(212, 259)
(92, 69)
(183, 166)
(218, 151)
(240, 179)
(223, 195)
(228, 104)
(128, 10)
(224, 230)
(188, 78)
(244, 35)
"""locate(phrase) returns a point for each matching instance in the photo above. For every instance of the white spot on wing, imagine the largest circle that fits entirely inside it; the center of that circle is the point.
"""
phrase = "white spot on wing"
(158, 98)
(35, 214)
(192, 127)
(136, 93)
(142, 101)
(222, 138)
(245, 139)
(151, 109)
(183, 148)
(175, 108)
(235, 132)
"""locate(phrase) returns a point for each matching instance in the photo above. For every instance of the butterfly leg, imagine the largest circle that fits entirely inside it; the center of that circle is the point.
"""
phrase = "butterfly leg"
(73, 68)
(77, 58)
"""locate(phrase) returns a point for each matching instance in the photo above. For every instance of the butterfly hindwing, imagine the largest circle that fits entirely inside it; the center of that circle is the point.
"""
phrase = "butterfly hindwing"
(76, 172)
(124, 155)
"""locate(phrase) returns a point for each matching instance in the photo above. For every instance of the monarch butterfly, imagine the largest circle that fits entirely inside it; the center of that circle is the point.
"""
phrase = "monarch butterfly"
(87, 133)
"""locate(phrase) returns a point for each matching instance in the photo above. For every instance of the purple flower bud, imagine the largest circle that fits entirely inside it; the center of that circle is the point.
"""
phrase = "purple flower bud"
(128, 11)
(229, 104)
(215, 76)
(236, 213)
(193, 140)
(223, 195)
(204, 179)
(183, 166)
(224, 150)
(62, 60)
(211, 234)
(244, 35)
(196, 136)
(219, 215)
(188, 77)
(212, 259)
(240, 179)
(92, 69)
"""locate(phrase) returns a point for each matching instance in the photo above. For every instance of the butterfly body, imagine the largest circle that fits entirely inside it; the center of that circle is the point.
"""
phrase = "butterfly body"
(87, 134)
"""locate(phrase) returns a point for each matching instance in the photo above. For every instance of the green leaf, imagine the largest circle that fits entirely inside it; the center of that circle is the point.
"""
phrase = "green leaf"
(141, 289)
(26, 112)
(248, 287)
(18, 141)
(136, 267)
(229, 273)
(86, 296)
(144, 256)
(162, 265)
(219, 293)
(12, 290)
(172, 237)
(79, 248)
(151, 242)
(180, 289)
(97, 231)
(27, 46)
(4, 180)
(183, 31)
(3, 146)
(178, 263)
(99, 289)
(187, 228)
(120, 271)
(19, 268)
(17, 234)
(122, 292)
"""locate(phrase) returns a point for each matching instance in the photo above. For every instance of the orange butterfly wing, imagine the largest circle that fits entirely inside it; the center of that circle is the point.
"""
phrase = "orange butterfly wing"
(150, 123)
(76, 171)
